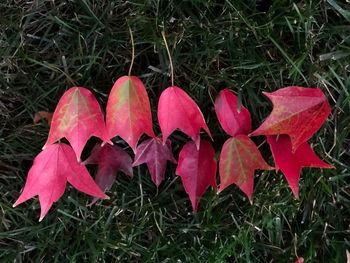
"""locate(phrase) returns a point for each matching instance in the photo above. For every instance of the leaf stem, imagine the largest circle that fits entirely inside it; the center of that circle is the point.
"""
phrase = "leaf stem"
(133, 50)
(170, 60)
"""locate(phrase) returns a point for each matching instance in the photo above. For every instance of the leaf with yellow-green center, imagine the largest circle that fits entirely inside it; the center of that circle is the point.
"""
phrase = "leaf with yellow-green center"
(128, 112)
(77, 117)
(239, 159)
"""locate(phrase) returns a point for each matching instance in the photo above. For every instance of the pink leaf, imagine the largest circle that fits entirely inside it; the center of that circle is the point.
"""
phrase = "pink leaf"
(48, 176)
(77, 117)
(176, 110)
(234, 119)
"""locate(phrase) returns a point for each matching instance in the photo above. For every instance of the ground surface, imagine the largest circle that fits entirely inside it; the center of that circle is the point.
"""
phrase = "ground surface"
(48, 46)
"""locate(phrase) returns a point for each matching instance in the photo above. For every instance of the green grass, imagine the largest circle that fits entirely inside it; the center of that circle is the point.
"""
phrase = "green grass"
(48, 46)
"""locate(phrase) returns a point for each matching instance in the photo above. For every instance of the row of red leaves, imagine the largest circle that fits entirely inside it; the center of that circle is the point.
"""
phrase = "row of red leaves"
(297, 114)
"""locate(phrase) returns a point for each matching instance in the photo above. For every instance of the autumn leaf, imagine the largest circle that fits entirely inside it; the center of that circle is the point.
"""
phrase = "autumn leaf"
(291, 163)
(234, 119)
(77, 117)
(47, 178)
(297, 111)
(176, 110)
(128, 111)
(197, 169)
(155, 154)
(110, 159)
(43, 115)
(239, 159)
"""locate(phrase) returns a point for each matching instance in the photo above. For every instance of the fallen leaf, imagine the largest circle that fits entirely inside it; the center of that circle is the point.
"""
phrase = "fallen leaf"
(197, 169)
(128, 111)
(155, 154)
(110, 159)
(43, 115)
(297, 111)
(47, 178)
(239, 159)
(234, 119)
(291, 163)
(176, 110)
(77, 117)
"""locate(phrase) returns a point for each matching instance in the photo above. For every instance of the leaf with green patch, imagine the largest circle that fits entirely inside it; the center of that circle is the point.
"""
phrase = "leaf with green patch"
(291, 163)
(128, 111)
(47, 178)
(297, 111)
(197, 169)
(239, 159)
(155, 154)
(176, 110)
(77, 117)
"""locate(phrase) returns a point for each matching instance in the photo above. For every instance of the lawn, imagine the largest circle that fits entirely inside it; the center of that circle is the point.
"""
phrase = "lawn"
(250, 46)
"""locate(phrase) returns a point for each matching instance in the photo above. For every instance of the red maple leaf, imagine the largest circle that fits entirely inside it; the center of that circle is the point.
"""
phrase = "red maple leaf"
(47, 178)
(297, 111)
(155, 154)
(197, 168)
(291, 163)
(239, 159)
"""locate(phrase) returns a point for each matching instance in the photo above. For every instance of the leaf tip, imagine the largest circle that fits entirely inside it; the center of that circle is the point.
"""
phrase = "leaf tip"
(197, 141)
(253, 133)
(164, 140)
(329, 166)
(194, 208)
(265, 93)
(93, 201)
(295, 193)
(220, 189)
(17, 203)
(105, 142)
(270, 168)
